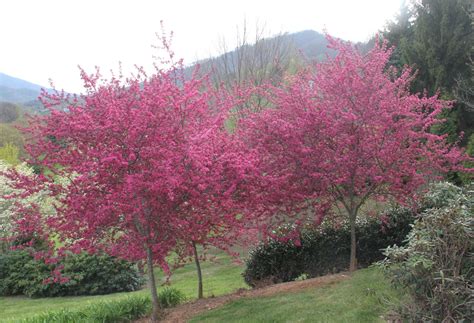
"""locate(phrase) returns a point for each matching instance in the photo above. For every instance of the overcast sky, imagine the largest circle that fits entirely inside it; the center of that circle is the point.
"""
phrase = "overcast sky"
(42, 40)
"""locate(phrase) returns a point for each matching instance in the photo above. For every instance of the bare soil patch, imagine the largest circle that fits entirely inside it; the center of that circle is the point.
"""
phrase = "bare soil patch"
(184, 312)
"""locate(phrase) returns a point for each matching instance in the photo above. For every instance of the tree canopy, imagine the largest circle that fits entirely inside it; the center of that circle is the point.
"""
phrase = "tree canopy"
(150, 168)
(346, 132)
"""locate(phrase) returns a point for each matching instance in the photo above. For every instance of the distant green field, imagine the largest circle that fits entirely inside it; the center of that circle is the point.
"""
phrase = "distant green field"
(220, 278)
(363, 298)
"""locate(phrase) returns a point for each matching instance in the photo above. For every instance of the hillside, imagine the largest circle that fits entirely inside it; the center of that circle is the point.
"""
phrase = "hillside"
(361, 297)
(308, 44)
(253, 59)
(16, 90)
(17, 95)
(262, 58)
(312, 44)
(21, 92)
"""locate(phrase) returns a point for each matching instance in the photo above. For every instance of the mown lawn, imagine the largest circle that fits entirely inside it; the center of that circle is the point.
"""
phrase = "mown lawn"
(362, 298)
(220, 277)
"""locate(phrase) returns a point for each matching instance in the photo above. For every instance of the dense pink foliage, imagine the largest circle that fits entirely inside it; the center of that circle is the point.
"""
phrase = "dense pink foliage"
(148, 163)
(345, 131)
(145, 162)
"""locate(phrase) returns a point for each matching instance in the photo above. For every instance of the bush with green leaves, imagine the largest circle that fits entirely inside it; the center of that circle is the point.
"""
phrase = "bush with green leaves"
(170, 297)
(435, 265)
(465, 178)
(325, 249)
(81, 274)
(122, 310)
(21, 274)
(273, 262)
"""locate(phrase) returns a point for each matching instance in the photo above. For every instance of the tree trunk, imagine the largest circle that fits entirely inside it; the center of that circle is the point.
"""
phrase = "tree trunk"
(198, 267)
(152, 285)
(141, 267)
(353, 259)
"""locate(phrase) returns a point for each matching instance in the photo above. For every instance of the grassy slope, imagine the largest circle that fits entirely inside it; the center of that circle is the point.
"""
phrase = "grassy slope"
(219, 278)
(356, 300)
(359, 299)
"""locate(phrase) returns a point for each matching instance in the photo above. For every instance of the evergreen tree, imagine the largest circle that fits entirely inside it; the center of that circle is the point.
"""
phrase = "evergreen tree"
(435, 36)
(442, 41)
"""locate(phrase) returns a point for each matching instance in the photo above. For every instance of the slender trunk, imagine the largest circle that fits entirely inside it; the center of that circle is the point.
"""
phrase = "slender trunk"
(198, 267)
(141, 267)
(353, 259)
(152, 285)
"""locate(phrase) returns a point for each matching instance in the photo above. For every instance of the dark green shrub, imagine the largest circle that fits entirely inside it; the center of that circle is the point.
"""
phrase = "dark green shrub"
(98, 274)
(377, 234)
(273, 262)
(435, 266)
(325, 249)
(21, 274)
(82, 274)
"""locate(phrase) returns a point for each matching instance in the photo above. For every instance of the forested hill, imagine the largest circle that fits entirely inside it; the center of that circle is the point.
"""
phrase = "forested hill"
(19, 91)
(312, 44)
(260, 50)
(258, 58)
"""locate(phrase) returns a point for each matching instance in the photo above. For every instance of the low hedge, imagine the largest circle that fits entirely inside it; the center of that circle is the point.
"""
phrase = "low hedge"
(325, 249)
(76, 274)
(122, 310)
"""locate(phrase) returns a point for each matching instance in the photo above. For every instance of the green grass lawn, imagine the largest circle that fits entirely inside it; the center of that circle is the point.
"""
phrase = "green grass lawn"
(219, 278)
(362, 298)
(358, 299)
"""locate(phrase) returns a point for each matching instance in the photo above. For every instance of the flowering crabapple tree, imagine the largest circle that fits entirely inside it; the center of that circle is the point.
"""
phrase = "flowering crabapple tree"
(149, 163)
(221, 179)
(346, 132)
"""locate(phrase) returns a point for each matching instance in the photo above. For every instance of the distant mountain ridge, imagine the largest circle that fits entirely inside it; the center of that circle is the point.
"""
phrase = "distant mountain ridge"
(18, 91)
(16, 83)
(264, 58)
(17, 95)
(311, 44)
